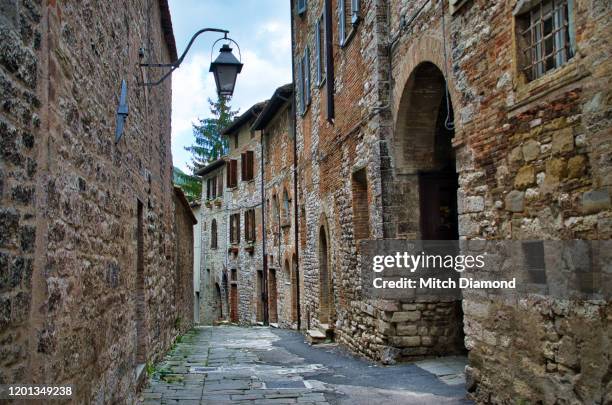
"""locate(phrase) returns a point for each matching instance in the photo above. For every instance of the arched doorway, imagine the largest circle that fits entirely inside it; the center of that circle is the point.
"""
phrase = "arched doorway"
(325, 287)
(426, 183)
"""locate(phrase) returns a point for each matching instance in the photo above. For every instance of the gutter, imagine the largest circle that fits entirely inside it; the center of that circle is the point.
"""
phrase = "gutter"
(295, 179)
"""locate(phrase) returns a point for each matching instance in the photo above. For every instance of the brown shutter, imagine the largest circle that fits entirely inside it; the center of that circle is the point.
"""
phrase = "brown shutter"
(250, 165)
(243, 166)
(234, 170)
(220, 185)
(238, 227)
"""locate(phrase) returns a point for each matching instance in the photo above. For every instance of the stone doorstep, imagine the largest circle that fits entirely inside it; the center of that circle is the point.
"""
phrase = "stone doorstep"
(314, 336)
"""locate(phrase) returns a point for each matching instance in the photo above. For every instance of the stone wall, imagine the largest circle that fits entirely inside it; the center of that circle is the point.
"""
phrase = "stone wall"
(80, 305)
(246, 257)
(184, 221)
(213, 290)
(532, 160)
(280, 219)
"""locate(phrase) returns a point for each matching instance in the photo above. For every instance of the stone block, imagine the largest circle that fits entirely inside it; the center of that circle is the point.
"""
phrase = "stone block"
(405, 341)
(576, 166)
(515, 201)
(595, 201)
(525, 177)
(563, 140)
(531, 150)
(408, 316)
(556, 168)
(471, 204)
(407, 330)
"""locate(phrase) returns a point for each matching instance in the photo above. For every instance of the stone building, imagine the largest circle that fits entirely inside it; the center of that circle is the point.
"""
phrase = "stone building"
(276, 125)
(184, 221)
(243, 215)
(87, 225)
(214, 298)
(517, 148)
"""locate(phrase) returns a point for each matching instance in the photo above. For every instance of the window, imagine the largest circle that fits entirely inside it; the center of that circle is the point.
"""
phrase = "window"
(545, 35)
(232, 173)
(211, 188)
(219, 181)
(301, 7)
(286, 214)
(247, 165)
(236, 143)
(249, 225)
(347, 14)
(361, 214)
(304, 81)
(235, 228)
(320, 49)
(213, 234)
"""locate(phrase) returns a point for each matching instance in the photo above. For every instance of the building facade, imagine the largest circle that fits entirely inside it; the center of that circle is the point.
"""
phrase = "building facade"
(244, 220)
(87, 223)
(214, 305)
(276, 125)
(485, 119)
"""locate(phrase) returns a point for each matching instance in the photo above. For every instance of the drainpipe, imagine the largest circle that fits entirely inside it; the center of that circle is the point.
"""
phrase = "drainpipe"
(264, 287)
(295, 178)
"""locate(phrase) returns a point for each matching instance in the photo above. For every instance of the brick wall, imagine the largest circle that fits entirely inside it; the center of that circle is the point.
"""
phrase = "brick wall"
(532, 161)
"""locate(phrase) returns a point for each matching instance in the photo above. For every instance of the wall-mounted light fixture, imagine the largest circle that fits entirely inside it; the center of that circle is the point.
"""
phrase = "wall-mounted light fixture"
(225, 69)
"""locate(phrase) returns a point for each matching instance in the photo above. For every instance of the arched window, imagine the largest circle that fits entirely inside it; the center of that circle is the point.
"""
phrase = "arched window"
(213, 234)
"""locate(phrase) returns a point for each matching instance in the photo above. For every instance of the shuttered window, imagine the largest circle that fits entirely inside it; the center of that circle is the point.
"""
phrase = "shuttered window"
(249, 225)
(320, 49)
(211, 188)
(235, 228)
(355, 11)
(341, 22)
(247, 166)
(232, 173)
(306, 69)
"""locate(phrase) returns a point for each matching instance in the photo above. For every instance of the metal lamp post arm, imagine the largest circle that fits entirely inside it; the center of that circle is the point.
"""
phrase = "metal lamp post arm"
(178, 62)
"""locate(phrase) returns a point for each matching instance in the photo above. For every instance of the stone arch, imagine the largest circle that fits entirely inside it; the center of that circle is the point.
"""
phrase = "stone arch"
(427, 48)
(326, 301)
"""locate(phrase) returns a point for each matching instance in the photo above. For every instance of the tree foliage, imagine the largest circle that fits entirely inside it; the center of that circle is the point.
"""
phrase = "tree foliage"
(191, 185)
(209, 144)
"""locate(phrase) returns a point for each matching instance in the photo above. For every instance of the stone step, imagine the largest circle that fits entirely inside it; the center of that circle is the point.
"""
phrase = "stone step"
(315, 336)
(327, 330)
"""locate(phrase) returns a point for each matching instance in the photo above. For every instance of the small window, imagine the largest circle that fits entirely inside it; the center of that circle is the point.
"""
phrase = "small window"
(301, 7)
(545, 35)
(235, 228)
(232, 173)
(286, 214)
(320, 49)
(247, 165)
(211, 188)
(213, 234)
(249, 225)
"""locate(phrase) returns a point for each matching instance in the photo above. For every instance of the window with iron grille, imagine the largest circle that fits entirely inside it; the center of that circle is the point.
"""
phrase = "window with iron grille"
(545, 35)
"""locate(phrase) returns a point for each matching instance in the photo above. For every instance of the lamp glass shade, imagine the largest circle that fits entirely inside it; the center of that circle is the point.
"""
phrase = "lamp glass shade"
(225, 69)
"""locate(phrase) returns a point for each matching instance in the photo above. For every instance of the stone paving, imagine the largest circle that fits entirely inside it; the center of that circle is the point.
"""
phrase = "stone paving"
(234, 365)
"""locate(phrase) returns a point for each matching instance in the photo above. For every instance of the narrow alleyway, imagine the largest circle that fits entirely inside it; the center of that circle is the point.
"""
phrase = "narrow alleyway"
(218, 365)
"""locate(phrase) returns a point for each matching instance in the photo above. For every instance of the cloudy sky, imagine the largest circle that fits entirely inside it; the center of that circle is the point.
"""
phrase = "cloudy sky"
(262, 29)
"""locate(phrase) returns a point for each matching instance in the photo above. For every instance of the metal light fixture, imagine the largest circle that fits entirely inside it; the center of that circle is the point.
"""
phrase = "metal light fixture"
(225, 68)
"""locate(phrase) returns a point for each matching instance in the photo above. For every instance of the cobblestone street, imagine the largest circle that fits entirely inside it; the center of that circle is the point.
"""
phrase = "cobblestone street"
(218, 365)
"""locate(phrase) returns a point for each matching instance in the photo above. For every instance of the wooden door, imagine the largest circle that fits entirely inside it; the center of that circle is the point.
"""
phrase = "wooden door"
(438, 200)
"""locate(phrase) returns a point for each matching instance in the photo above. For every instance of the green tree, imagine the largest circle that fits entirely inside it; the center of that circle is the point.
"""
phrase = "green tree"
(209, 144)
(191, 185)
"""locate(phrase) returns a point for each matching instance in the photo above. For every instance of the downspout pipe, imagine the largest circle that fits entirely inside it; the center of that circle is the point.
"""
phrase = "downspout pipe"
(295, 177)
(264, 287)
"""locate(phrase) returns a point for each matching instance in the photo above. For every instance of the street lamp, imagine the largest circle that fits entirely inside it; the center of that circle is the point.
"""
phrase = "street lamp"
(225, 69)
